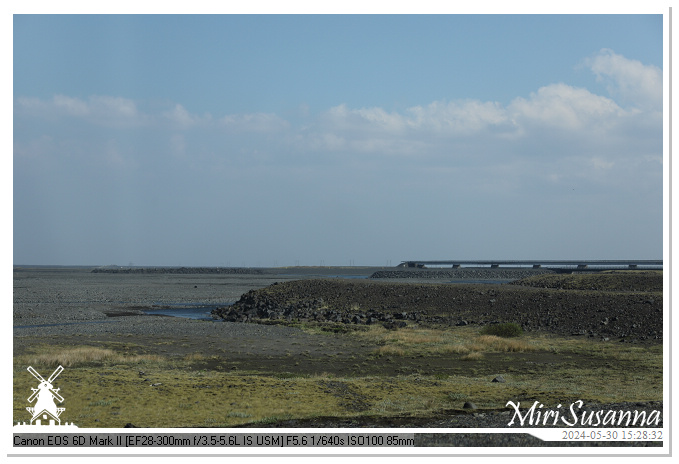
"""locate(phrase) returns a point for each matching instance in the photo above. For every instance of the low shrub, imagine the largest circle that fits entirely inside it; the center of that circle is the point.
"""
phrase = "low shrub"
(509, 329)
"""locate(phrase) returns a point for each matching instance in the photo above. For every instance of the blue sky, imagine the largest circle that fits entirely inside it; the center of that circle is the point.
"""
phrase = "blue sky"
(304, 139)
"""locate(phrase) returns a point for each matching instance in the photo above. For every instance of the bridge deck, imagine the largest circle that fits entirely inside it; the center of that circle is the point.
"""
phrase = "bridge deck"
(611, 263)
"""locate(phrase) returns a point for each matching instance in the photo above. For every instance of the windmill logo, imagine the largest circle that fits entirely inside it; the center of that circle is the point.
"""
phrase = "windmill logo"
(44, 396)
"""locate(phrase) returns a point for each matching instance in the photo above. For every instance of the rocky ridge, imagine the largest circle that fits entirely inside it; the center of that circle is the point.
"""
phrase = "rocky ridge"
(607, 315)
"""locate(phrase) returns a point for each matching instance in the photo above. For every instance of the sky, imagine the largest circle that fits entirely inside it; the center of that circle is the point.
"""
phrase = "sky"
(281, 140)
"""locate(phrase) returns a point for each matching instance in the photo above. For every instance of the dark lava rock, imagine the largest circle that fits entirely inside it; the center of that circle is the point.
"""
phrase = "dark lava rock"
(612, 314)
(394, 325)
(468, 273)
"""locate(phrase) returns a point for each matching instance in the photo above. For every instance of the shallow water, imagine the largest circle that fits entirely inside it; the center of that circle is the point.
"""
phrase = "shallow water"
(189, 311)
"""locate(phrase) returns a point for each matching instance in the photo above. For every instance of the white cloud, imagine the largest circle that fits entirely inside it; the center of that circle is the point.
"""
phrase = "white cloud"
(444, 118)
(102, 110)
(376, 118)
(71, 106)
(466, 117)
(558, 109)
(634, 82)
(180, 116)
(564, 107)
(113, 106)
(254, 122)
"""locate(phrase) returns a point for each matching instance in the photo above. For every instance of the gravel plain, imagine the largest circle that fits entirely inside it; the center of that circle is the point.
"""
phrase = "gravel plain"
(105, 302)
(75, 305)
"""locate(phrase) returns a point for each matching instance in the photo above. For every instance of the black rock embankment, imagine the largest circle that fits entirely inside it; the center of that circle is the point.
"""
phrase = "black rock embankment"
(460, 274)
(258, 305)
(608, 315)
(622, 281)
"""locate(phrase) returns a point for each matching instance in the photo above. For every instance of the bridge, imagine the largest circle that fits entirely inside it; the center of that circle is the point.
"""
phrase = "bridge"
(565, 265)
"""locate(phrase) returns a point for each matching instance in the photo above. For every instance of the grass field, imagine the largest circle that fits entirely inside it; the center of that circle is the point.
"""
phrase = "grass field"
(113, 385)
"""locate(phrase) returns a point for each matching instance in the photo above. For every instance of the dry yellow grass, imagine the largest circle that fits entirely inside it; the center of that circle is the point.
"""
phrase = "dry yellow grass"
(415, 337)
(69, 357)
(452, 348)
(456, 341)
(387, 350)
(504, 344)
